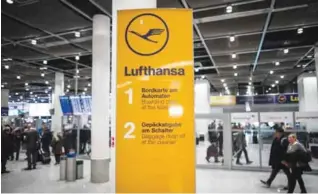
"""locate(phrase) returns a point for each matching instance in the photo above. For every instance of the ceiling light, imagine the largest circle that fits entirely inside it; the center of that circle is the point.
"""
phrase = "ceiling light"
(222, 80)
(16, 93)
(273, 85)
(77, 57)
(18, 77)
(251, 78)
(45, 62)
(89, 84)
(269, 89)
(77, 34)
(67, 90)
(233, 56)
(10, 1)
(282, 76)
(50, 87)
(26, 84)
(43, 68)
(46, 82)
(229, 9)
(77, 71)
(234, 67)
(6, 66)
(2, 86)
(68, 86)
(27, 89)
(300, 30)
(286, 51)
(31, 92)
(298, 65)
(276, 81)
(36, 95)
(235, 74)
(202, 76)
(34, 42)
(266, 91)
(196, 69)
(309, 56)
(256, 93)
(46, 91)
(224, 85)
(9, 96)
(83, 93)
(232, 38)
(42, 74)
(277, 63)
(271, 72)
(85, 89)
(249, 83)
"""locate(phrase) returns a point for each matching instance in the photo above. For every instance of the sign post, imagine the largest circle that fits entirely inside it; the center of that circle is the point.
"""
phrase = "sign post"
(155, 137)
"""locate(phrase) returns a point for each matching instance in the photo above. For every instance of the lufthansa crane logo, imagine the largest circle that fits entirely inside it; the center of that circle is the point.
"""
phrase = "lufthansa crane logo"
(147, 34)
(281, 98)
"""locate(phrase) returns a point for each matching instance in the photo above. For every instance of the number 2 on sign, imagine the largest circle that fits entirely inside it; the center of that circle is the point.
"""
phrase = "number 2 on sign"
(129, 134)
(129, 92)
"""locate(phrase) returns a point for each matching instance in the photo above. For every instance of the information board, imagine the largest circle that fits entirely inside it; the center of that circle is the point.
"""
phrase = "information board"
(76, 105)
(86, 102)
(66, 105)
(155, 136)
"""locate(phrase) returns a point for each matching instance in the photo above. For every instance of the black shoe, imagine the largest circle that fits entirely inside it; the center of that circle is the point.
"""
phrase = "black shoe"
(239, 163)
(5, 172)
(285, 188)
(28, 168)
(265, 183)
(249, 162)
(207, 159)
(216, 161)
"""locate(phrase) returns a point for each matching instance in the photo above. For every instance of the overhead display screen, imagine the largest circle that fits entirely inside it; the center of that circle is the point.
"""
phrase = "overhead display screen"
(76, 105)
(66, 105)
(86, 104)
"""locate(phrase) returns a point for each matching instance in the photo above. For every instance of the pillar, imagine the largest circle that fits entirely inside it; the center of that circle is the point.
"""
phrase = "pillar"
(120, 5)
(100, 156)
(58, 91)
(316, 60)
(4, 102)
(307, 92)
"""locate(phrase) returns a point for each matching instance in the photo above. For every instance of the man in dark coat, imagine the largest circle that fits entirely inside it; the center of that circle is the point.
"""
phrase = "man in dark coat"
(46, 139)
(277, 154)
(31, 141)
(6, 148)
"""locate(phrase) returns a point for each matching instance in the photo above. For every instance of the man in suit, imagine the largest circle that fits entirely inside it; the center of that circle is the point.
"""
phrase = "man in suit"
(277, 154)
(31, 141)
(6, 146)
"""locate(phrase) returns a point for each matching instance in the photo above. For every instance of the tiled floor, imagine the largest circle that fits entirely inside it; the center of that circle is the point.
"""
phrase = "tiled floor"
(45, 180)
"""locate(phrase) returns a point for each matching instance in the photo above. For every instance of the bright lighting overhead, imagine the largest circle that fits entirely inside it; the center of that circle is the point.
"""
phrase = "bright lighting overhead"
(273, 85)
(42, 74)
(251, 78)
(89, 84)
(266, 91)
(2, 86)
(309, 56)
(224, 84)
(202, 76)
(222, 80)
(276, 81)
(229, 9)
(277, 63)
(26, 84)
(249, 83)
(282, 76)
(45, 62)
(298, 65)
(6, 66)
(85, 89)
(18, 77)
(232, 38)
(271, 72)
(46, 82)
(67, 90)
(235, 66)
(31, 92)
(50, 87)
(83, 93)
(235, 74)
(77, 57)
(269, 88)
(36, 95)
(16, 93)
(46, 91)
(300, 30)
(286, 51)
(10, 1)
(77, 70)
(77, 34)
(196, 69)
(34, 42)
(68, 86)
(27, 89)
(233, 56)
(43, 68)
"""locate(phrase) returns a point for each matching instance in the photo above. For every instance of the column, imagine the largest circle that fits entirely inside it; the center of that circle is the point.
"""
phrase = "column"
(4, 102)
(316, 60)
(58, 91)
(120, 5)
(100, 156)
(307, 92)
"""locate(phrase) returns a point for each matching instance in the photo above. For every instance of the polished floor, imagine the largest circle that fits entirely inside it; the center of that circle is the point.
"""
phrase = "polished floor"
(45, 180)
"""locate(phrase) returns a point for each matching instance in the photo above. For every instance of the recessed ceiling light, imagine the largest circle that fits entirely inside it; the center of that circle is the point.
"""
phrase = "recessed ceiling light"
(224, 85)
(276, 81)
(85, 89)
(202, 76)
(46, 82)
(26, 84)
(6, 66)
(36, 95)
(269, 88)
(286, 51)
(251, 78)
(50, 87)
(31, 92)
(235, 66)
(42, 74)
(232, 38)
(16, 93)
(298, 65)
(45, 62)
(277, 63)
(68, 86)
(196, 69)
(43, 68)
(229, 9)
(77, 57)
(18, 77)
(282, 76)
(2, 86)
(235, 74)
(77, 34)
(46, 91)
(10, 1)
(300, 30)
(67, 90)
(222, 80)
(271, 71)
(34, 42)
(309, 56)
(266, 91)
(89, 84)
(27, 89)
(273, 85)
(233, 56)
(249, 83)
(83, 93)
(77, 70)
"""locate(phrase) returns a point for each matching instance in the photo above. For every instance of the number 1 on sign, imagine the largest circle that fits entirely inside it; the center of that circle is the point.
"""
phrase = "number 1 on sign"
(129, 92)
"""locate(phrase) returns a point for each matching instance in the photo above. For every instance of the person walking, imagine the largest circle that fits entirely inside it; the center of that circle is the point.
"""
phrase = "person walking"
(277, 153)
(46, 139)
(6, 146)
(32, 144)
(297, 159)
(57, 147)
(241, 144)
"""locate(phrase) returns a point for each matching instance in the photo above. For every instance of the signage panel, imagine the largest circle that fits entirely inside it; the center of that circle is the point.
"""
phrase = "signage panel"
(268, 99)
(76, 105)
(222, 100)
(86, 102)
(4, 111)
(251, 117)
(155, 141)
(277, 117)
(66, 105)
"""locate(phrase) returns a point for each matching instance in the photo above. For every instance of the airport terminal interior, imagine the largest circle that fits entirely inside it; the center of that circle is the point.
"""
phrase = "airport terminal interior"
(254, 74)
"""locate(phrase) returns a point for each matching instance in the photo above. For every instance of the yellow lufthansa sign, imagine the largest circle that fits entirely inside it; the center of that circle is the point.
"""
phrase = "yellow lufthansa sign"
(155, 137)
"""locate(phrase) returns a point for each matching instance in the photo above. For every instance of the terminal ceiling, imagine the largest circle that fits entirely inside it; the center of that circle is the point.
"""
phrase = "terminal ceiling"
(247, 38)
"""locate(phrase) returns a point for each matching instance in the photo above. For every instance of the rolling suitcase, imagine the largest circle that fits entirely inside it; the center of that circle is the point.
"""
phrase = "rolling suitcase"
(44, 157)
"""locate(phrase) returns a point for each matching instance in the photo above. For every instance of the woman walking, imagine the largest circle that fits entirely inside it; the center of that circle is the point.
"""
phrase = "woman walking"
(57, 147)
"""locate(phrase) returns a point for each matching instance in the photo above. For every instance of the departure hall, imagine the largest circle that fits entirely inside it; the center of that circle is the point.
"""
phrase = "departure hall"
(159, 96)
